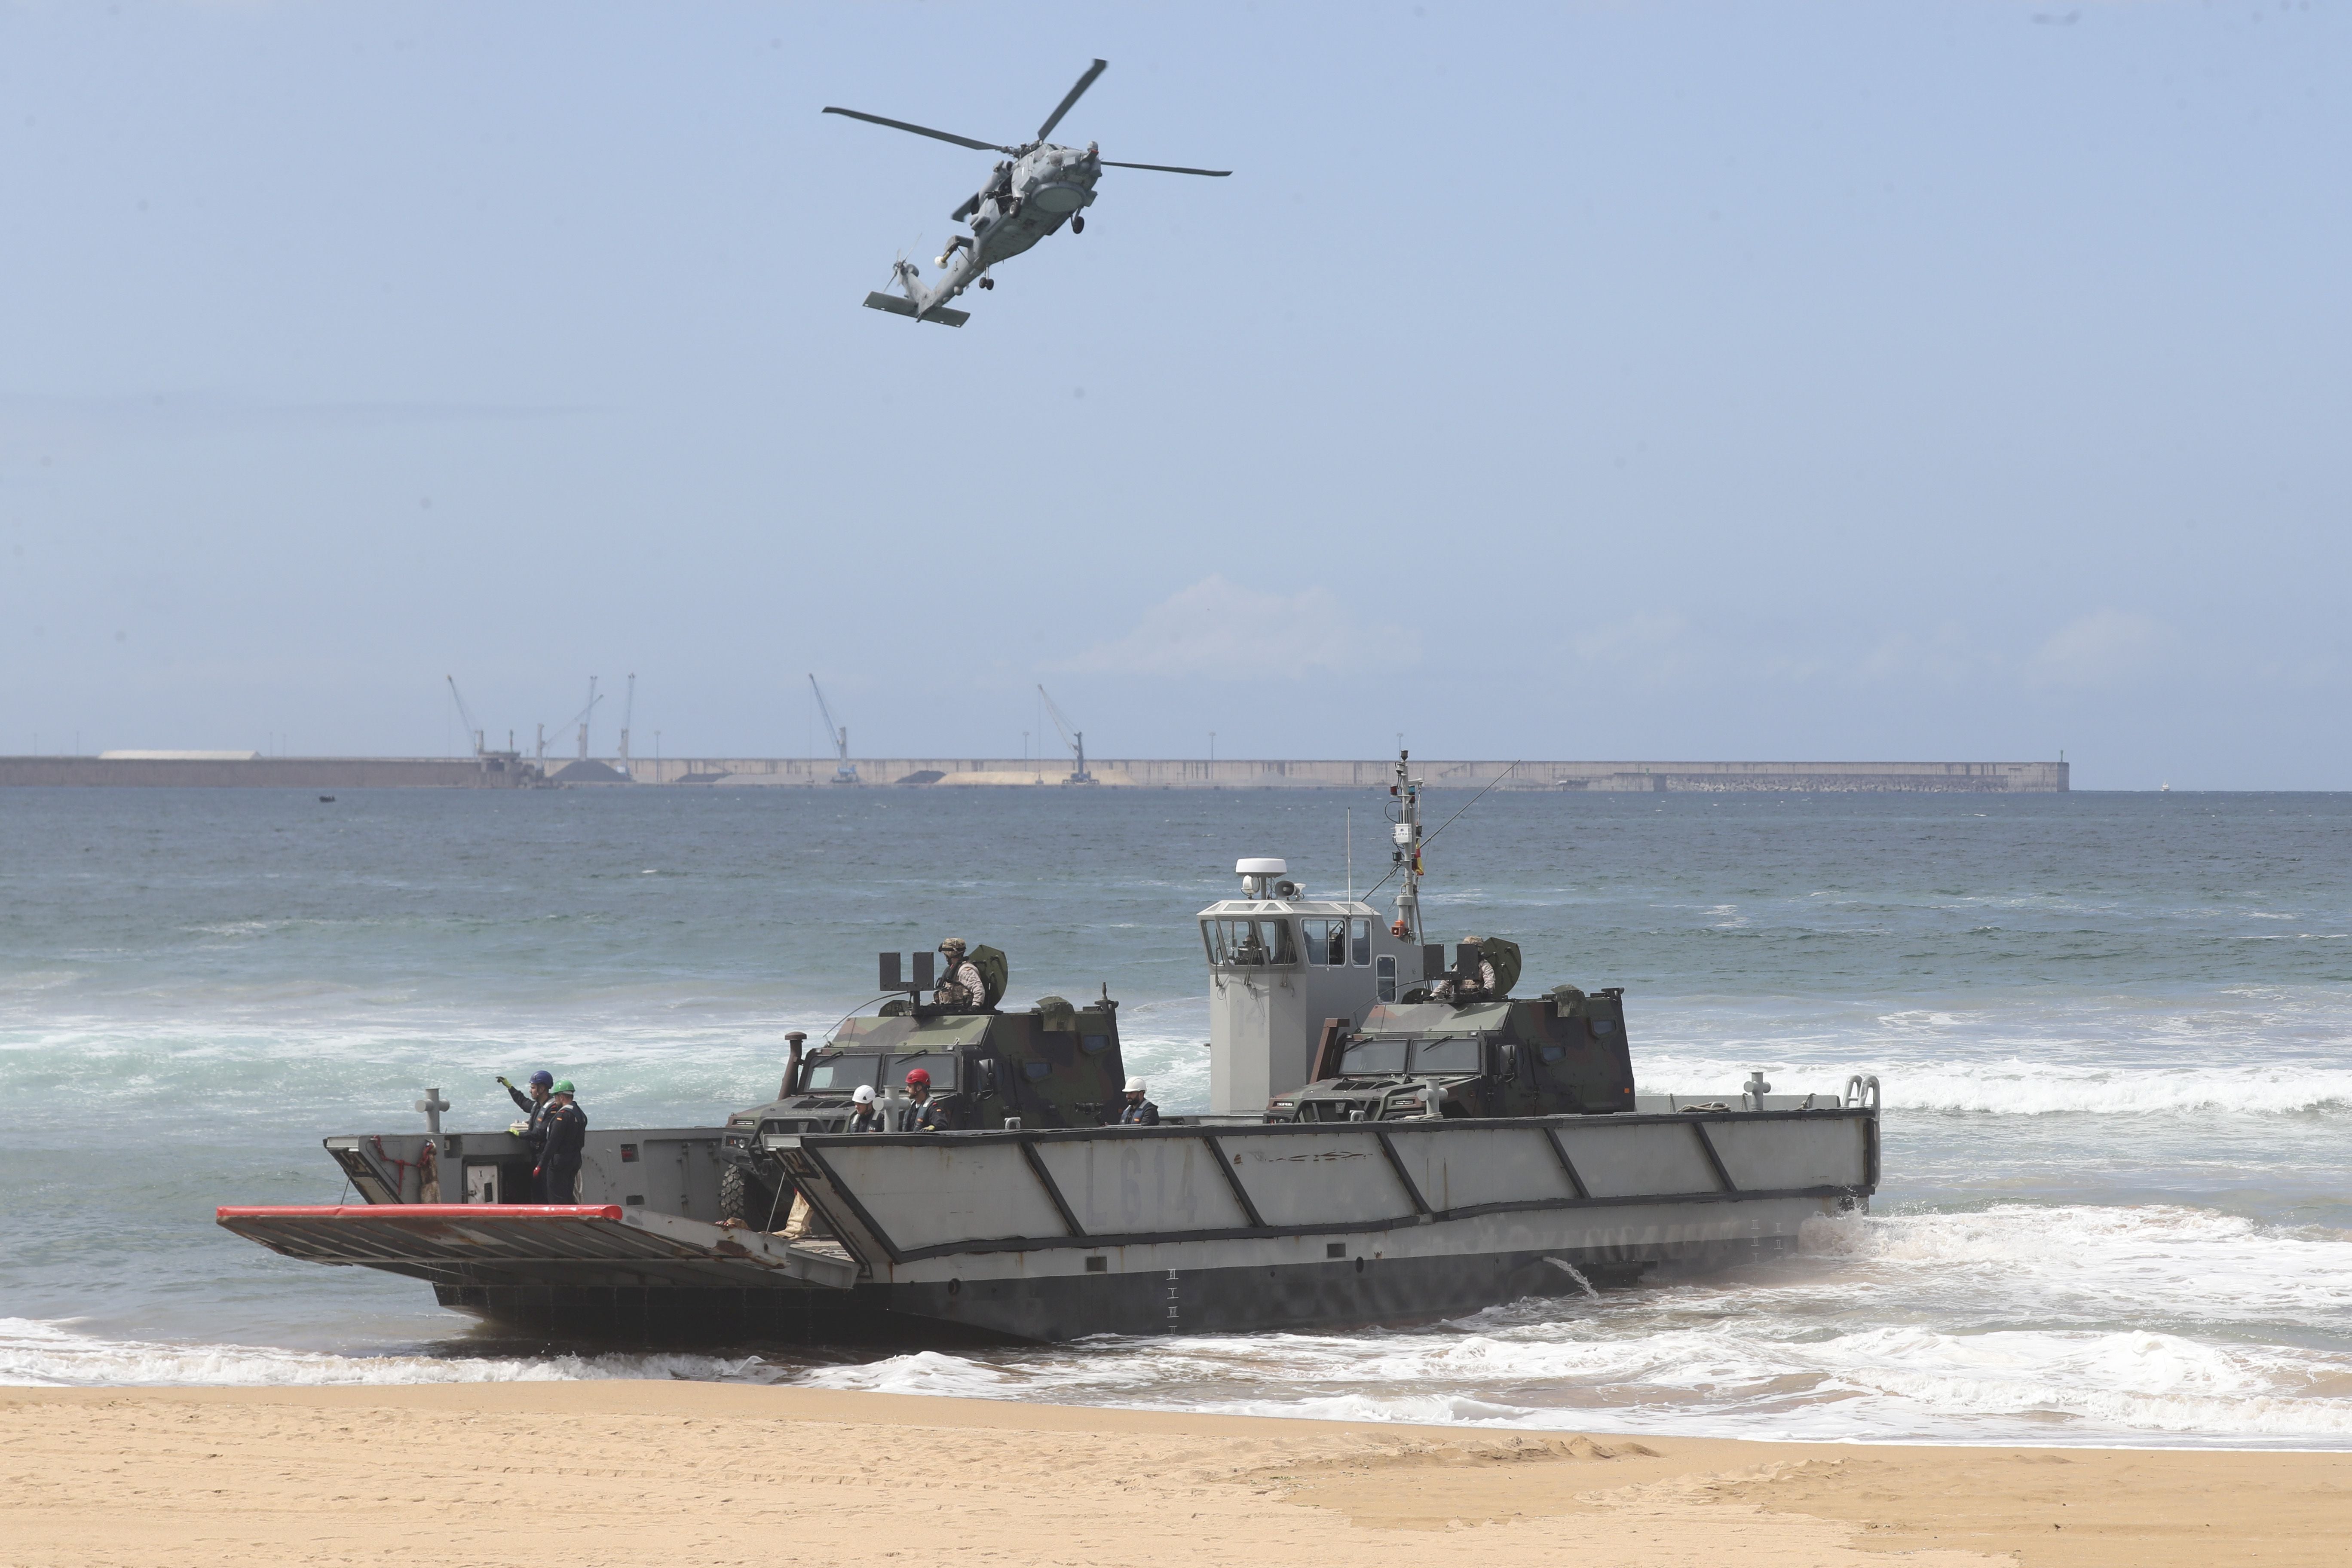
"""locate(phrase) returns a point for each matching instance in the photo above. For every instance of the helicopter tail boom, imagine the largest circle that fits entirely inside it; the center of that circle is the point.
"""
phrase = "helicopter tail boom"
(898, 305)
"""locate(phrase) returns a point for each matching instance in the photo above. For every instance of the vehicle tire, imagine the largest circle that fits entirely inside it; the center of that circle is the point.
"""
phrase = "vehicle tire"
(742, 1195)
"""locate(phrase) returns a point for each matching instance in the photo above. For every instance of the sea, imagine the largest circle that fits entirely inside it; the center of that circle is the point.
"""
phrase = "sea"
(2112, 1032)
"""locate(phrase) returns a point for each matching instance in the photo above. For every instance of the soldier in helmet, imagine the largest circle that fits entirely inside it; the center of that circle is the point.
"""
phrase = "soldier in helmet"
(1461, 989)
(960, 989)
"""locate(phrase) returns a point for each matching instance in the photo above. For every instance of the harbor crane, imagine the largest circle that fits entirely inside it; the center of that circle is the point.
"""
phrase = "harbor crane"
(473, 730)
(587, 716)
(580, 718)
(1073, 739)
(837, 735)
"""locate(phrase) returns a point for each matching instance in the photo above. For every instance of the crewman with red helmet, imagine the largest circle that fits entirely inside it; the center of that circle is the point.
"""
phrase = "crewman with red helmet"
(925, 1112)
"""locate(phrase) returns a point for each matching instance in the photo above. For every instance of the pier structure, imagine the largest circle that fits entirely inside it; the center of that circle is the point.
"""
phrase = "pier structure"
(1594, 777)
(504, 771)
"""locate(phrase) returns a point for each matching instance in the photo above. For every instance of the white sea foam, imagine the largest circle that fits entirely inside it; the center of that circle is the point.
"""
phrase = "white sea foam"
(2077, 1324)
(2021, 1086)
(53, 1355)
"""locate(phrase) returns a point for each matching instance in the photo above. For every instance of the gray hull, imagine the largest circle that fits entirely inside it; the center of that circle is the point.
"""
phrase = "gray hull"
(1055, 1234)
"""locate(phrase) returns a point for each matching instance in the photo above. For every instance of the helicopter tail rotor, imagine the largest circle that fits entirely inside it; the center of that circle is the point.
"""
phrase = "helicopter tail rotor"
(909, 276)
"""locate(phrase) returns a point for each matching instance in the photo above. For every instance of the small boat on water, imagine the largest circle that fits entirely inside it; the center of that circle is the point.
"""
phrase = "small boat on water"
(1391, 1136)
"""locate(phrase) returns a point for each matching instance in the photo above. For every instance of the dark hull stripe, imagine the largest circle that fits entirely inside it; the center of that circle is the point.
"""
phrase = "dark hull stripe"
(1338, 1293)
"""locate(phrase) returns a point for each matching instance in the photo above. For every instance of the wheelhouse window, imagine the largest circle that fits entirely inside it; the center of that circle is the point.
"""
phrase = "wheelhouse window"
(1384, 977)
(1257, 943)
(1363, 942)
(1326, 943)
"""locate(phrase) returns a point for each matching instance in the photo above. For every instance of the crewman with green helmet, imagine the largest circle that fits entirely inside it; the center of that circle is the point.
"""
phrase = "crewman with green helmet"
(567, 1136)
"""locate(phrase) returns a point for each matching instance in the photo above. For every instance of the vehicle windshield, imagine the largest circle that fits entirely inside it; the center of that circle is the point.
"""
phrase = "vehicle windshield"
(839, 1074)
(1457, 1055)
(940, 1065)
(1367, 1056)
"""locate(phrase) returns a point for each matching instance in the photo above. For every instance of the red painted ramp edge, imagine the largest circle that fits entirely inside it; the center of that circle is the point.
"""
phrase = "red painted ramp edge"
(228, 1212)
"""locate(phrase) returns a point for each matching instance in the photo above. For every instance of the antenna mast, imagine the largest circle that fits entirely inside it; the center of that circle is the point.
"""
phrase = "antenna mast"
(1406, 856)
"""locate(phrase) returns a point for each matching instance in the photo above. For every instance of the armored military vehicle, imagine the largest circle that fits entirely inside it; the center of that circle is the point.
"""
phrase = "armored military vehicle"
(1427, 1053)
(1055, 1065)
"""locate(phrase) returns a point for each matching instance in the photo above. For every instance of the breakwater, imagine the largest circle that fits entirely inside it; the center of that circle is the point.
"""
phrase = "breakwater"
(269, 773)
(950, 773)
(1599, 777)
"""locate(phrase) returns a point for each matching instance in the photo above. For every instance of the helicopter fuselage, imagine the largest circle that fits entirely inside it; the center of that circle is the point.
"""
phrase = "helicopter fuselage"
(1029, 197)
(1038, 188)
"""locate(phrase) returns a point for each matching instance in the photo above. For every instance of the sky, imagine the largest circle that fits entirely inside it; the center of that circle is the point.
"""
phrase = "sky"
(1805, 381)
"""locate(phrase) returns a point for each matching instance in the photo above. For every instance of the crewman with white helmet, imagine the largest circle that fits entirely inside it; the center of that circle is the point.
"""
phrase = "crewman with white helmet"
(865, 1116)
(1138, 1111)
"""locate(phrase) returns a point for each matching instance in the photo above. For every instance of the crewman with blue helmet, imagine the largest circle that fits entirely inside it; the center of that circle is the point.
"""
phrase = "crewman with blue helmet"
(533, 1129)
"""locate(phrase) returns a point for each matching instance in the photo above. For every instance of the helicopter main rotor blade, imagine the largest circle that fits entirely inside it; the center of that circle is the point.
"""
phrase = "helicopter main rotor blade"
(922, 130)
(1166, 169)
(1070, 98)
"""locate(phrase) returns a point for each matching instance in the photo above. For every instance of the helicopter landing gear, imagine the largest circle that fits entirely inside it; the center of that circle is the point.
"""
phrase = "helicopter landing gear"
(1078, 223)
(988, 283)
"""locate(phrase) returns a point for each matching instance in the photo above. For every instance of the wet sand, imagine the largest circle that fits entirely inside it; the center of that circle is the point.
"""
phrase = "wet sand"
(648, 1473)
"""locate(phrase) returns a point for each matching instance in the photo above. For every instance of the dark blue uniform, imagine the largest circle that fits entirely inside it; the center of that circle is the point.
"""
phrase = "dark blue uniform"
(558, 1162)
(935, 1114)
(1143, 1113)
(534, 1136)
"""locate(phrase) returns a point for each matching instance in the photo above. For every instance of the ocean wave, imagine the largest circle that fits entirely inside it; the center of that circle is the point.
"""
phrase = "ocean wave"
(2016, 1323)
(2017, 1086)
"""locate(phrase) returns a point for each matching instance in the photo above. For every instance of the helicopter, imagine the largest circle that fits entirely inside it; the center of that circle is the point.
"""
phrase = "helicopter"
(1034, 191)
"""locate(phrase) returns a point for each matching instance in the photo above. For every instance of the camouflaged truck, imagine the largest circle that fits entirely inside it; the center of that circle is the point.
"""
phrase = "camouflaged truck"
(1055, 1065)
(1426, 1055)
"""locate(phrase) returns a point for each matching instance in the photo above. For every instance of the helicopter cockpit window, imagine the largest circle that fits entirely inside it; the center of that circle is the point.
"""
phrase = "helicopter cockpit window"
(1257, 943)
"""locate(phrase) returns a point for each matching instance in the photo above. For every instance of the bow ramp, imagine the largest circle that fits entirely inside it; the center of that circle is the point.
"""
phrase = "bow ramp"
(583, 1245)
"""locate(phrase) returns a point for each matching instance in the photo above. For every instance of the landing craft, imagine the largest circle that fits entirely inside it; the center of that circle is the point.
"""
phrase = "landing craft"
(1039, 188)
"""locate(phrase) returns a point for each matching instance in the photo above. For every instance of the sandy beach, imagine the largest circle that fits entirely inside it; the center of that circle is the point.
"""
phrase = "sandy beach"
(628, 1473)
